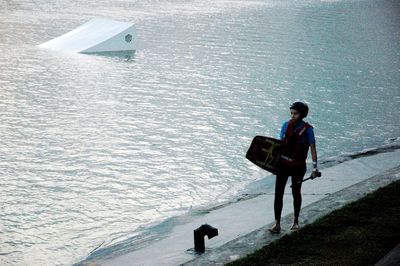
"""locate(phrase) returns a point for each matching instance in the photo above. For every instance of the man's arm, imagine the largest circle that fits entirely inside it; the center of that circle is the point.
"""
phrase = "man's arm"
(314, 153)
(315, 172)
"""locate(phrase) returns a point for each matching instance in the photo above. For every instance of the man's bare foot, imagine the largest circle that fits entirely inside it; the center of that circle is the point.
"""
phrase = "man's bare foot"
(295, 226)
(276, 229)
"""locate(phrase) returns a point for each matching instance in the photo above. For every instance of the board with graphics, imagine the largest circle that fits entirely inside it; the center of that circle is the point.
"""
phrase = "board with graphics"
(265, 152)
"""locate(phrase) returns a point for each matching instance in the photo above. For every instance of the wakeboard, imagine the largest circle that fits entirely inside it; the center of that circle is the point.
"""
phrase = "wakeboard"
(265, 152)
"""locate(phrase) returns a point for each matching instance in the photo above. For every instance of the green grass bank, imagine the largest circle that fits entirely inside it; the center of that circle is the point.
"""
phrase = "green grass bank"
(360, 233)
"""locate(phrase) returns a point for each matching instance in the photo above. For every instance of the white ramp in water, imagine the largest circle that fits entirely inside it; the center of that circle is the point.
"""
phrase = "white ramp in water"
(96, 35)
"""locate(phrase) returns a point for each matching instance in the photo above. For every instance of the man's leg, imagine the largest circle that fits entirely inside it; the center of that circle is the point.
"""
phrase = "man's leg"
(280, 184)
(296, 192)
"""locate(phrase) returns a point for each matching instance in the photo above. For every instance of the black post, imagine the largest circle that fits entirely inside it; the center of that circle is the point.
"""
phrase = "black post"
(199, 234)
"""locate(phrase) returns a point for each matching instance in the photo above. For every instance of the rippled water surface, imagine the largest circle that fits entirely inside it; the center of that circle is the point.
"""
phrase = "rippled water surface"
(96, 148)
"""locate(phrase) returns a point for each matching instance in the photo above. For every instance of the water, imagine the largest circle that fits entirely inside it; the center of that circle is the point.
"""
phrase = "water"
(95, 149)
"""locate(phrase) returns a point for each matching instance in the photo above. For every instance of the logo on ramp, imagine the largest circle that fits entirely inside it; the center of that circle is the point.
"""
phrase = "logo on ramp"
(128, 38)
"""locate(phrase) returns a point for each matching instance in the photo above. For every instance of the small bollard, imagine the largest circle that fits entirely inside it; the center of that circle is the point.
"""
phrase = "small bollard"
(199, 234)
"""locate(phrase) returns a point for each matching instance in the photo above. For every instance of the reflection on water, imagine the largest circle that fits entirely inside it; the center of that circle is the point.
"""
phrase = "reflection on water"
(127, 55)
(96, 148)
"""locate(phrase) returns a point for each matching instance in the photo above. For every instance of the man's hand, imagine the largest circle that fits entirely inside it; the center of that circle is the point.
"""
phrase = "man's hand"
(315, 173)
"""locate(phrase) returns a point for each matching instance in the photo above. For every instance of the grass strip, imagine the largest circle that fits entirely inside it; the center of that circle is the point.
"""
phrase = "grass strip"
(360, 233)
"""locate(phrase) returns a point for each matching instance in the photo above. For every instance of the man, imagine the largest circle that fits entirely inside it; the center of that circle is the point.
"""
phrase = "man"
(297, 137)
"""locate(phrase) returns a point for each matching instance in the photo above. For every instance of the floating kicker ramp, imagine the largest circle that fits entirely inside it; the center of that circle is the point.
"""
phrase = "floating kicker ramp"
(96, 36)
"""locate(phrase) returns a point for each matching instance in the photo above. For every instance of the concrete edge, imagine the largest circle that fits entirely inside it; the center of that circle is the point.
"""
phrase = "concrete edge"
(391, 259)
(249, 243)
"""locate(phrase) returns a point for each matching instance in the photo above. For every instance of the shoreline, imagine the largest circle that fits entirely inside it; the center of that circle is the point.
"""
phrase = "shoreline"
(361, 232)
(243, 217)
(245, 245)
(256, 188)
